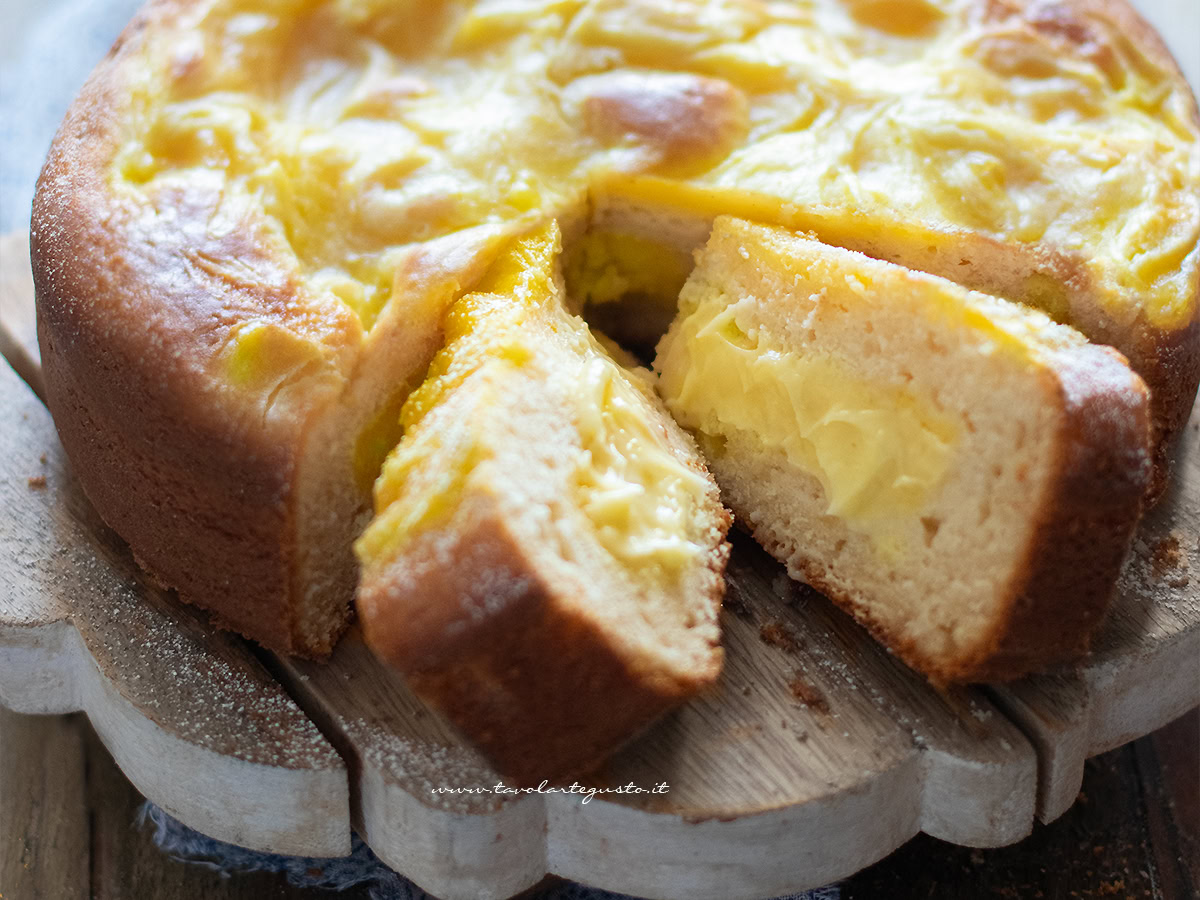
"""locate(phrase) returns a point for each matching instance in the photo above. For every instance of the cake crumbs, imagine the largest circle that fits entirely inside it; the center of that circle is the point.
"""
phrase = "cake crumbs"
(1167, 554)
(782, 585)
(808, 694)
(37, 482)
(1169, 562)
(736, 605)
(780, 634)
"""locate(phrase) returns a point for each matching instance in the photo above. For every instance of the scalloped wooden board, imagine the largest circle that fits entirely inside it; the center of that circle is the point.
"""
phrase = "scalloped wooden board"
(1144, 668)
(816, 754)
(190, 715)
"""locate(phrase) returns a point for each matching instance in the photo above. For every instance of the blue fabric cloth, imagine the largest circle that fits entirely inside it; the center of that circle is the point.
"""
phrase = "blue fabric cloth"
(361, 867)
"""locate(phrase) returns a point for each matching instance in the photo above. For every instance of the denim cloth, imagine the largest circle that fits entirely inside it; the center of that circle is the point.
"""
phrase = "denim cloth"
(360, 867)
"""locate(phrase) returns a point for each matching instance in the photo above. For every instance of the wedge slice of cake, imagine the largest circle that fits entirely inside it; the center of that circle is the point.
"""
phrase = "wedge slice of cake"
(958, 472)
(546, 561)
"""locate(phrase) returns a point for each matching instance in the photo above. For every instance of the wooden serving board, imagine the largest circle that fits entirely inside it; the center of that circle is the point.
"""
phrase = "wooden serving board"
(816, 754)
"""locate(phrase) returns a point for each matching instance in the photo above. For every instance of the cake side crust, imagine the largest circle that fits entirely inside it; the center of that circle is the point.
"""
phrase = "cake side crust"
(135, 322)
(1085, 528)
(488, 641)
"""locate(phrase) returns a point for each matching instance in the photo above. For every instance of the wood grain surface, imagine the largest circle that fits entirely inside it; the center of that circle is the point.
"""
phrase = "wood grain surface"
(43, 787)
(1134, 832)
(84, 838)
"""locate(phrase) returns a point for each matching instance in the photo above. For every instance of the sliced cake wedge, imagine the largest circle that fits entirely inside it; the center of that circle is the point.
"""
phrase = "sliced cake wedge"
(546, 560)
(958, 472)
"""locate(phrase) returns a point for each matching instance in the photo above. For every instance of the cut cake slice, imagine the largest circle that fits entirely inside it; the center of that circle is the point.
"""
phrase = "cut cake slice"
(546, 561)
(958, 472)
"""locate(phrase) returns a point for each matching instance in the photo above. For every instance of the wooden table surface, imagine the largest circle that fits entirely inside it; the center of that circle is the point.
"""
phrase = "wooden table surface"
(67, 814)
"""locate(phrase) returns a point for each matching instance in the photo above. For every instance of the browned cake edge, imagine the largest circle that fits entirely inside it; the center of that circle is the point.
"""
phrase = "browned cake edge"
(1062, 589)
(1105, 464)
(1169, 363)
(193, 477)
(481, 635)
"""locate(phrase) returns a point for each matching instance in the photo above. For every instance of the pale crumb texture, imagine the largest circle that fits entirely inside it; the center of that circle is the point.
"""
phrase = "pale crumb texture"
(938, 580)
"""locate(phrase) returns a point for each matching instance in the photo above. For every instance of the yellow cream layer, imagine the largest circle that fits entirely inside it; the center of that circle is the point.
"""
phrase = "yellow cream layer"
(643, 502)
(609, 265)
(354, 129)
(879, 452)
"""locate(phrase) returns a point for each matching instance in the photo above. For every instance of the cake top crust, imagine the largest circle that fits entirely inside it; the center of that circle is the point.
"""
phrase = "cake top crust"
(346, 133)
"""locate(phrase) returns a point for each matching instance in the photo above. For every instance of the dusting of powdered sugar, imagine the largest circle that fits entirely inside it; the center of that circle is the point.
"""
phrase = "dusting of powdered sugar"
(204, 686)
(164, 659)
(439, 774)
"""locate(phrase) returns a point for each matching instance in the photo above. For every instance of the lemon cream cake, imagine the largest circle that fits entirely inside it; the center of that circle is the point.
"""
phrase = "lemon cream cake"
(257, 213)
(960, 473)
(547, 541)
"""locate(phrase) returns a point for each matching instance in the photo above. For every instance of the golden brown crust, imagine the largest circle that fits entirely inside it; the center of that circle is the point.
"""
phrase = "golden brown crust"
(132, 318)
(543, 690)
(1169, 363)
(1167, 359)
(1071, 23)
(684, 121)
(1075, 555)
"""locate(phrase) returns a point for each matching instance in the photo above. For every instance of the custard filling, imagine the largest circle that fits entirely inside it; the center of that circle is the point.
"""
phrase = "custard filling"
(642, 502)
(640, 498)
(261, 354)
(879, 452)
(606, 266)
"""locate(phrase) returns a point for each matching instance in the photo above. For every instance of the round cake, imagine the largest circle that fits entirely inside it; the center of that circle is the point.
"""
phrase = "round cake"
(256, 215)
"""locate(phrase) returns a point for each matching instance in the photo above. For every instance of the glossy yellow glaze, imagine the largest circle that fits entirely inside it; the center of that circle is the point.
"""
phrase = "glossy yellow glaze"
(358, 128)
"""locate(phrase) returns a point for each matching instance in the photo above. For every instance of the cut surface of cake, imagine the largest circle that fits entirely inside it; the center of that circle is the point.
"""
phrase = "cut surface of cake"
(959, 472)
(547, 541)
